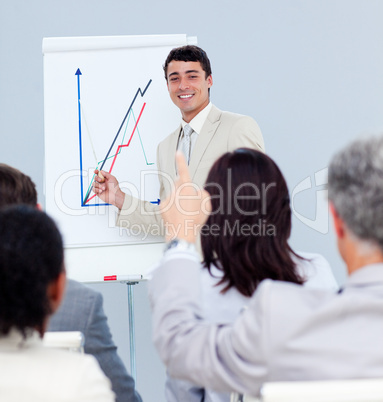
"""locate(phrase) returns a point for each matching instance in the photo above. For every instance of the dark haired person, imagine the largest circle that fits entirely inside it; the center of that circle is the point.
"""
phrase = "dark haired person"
(212, 133)
(288, 332)
(82, 307)
(31, 288)
(244, 241)
(16, 187)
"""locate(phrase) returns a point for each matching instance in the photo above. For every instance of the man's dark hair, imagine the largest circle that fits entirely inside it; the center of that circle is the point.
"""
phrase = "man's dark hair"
(31, 257)
(251, 213)
(188, 53)
(16, 187)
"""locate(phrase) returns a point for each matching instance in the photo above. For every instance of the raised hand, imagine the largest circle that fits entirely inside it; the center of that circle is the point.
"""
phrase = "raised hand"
(187, 208)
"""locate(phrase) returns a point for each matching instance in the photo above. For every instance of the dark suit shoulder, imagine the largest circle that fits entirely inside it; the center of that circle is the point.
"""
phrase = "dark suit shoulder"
(77, 308)
(78, 288)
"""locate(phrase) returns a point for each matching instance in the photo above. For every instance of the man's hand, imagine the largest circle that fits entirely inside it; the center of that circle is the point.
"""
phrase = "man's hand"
(187, 208)
(106, 187)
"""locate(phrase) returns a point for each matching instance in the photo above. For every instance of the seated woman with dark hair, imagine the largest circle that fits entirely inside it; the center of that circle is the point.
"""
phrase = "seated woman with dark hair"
(244, 241)
(32, 285)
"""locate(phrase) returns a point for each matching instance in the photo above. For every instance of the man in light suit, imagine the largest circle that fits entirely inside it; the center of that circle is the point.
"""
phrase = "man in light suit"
(189, 79)
(81, 308)
(288, 332)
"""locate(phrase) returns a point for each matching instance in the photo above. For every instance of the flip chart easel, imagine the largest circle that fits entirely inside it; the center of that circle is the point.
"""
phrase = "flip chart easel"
(105, 105)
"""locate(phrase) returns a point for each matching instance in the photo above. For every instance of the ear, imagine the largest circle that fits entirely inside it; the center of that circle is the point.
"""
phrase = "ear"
(56, 290)
(39, 206)
(338, 222)
(209, 81)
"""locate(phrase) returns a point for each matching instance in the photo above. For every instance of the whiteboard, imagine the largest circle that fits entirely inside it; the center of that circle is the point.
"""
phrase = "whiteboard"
(106, 105)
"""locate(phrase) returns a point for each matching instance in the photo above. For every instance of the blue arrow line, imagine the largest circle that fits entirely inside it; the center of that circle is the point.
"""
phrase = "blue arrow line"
(96, 205)
(156, 202)
(78, 73)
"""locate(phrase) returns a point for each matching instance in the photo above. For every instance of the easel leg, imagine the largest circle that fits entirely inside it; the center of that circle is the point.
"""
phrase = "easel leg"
(132, 337)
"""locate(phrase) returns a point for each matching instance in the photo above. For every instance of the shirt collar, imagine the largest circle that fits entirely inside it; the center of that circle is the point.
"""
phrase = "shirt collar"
(370, 274)
(198, 121)
(15, 340)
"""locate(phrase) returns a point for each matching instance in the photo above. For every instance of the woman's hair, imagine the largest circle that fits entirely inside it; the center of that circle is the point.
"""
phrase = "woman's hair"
(31, 257)
(247, 232)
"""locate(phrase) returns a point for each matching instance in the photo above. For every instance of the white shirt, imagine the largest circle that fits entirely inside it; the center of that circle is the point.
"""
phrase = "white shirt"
(31, 372)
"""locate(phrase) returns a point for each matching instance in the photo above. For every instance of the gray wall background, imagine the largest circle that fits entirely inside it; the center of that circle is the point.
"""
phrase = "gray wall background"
(310, 73)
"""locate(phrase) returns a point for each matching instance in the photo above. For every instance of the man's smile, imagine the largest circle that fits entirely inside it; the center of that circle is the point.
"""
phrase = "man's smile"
(185, 96)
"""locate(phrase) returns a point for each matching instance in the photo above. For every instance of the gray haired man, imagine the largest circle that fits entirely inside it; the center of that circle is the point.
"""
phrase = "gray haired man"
(288, 332)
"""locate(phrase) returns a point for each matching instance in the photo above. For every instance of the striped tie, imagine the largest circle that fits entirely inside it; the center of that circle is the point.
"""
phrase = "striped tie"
(187, 142)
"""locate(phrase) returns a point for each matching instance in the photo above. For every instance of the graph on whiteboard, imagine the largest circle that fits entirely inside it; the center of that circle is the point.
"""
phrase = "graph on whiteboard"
(120, 143)
(104, 110)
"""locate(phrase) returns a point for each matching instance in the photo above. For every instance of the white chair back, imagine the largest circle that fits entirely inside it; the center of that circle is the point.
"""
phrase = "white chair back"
(70, 340)
(358, 390)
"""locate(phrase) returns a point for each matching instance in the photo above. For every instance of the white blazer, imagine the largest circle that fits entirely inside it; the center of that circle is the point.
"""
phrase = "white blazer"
(31, 372)
(288, 332)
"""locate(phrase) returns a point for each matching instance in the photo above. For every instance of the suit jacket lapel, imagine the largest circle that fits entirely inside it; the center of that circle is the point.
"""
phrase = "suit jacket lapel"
(171, 146)
(208, 130)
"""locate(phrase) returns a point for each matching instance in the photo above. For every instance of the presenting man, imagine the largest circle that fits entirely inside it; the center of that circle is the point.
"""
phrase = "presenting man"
(205, 133)
(288, 332)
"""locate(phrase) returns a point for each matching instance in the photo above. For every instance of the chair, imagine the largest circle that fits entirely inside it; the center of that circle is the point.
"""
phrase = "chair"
(358, 390)
(70, 340)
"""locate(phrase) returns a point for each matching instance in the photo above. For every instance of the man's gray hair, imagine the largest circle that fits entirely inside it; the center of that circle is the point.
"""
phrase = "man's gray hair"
(355, 185)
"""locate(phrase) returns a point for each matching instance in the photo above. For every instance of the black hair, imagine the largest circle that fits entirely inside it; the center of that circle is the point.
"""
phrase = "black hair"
(16, 187)
(31, 257)
(188, 53)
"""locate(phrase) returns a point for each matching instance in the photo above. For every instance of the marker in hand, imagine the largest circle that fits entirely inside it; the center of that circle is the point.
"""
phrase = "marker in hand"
(100, 175)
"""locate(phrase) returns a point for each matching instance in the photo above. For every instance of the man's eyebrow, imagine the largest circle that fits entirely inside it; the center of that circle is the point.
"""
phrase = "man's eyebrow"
(186, 72)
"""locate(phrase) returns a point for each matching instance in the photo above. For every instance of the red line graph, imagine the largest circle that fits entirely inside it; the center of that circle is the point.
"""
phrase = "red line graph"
(130, 139)
(121, 146)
